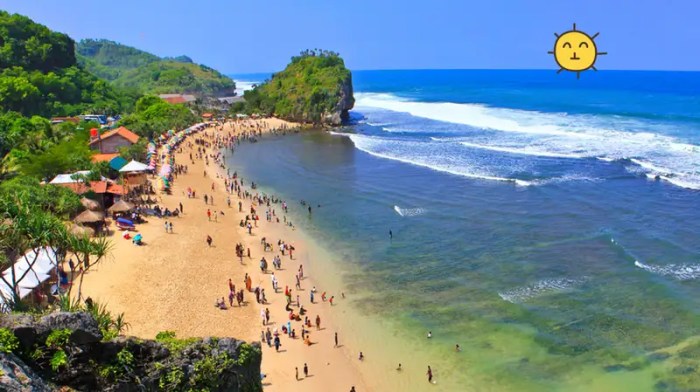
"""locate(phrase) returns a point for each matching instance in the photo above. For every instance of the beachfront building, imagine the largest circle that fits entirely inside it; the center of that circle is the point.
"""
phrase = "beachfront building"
(111, 141)
(115, 161)
(134, 174)
(106, 192)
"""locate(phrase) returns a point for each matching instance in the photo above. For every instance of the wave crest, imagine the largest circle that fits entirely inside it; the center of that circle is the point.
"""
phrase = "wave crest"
(541, 288)
(678, 271)
(409, 212)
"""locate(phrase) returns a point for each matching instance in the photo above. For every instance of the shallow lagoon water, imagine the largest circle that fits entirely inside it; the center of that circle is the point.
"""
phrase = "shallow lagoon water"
(537, 284)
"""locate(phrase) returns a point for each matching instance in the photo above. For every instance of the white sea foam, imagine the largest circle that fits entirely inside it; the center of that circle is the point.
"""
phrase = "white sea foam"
(557, 135)
(409, 212)
(409, 153)
(678, 271)
(244, 85)
(523, 151)
(541, 288)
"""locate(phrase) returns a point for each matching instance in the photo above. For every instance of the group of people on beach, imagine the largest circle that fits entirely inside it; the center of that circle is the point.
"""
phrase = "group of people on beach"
(210, 147)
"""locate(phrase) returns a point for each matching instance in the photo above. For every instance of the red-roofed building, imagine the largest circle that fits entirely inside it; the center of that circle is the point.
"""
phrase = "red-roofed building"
(111, 141)
(103, 157)
(99, 187)
(105, 191)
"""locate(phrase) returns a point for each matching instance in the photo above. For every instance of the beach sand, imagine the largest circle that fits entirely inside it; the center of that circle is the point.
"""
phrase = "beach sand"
(173, 281)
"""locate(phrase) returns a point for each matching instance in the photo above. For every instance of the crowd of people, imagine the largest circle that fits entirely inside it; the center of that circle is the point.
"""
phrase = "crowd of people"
(209, 147)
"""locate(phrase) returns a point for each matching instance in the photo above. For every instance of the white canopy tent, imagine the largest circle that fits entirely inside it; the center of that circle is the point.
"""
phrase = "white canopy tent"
(134, 167)
(66, 178)
(38, 273)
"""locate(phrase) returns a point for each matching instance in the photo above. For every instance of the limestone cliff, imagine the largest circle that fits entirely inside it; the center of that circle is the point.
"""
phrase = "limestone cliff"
(315, 87)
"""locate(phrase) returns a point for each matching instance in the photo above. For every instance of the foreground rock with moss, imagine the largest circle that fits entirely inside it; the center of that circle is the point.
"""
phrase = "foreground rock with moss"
(64, 349)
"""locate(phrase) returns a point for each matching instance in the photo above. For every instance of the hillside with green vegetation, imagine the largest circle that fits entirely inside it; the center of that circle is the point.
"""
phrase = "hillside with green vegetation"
(40, 78)
(39, 74)
(315, 87)
(132, 68)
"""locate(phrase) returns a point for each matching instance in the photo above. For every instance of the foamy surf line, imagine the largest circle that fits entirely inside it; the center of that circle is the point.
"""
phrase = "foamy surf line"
(559, 135)
(357, 142)
(678, 271)
(541, 288)
(409, 212)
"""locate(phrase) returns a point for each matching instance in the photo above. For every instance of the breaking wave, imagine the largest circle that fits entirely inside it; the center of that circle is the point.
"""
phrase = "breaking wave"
(678, 271)
(409, 212)
(541, 288)
(554, 135)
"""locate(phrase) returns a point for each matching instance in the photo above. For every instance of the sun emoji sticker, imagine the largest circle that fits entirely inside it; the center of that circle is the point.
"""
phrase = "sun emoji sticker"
(575, 51)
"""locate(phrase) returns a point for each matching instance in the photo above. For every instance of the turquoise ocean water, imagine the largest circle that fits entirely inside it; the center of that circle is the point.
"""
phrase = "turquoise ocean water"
(548, 225)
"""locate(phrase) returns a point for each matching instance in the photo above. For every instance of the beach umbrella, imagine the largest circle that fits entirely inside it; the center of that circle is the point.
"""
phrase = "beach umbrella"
(89, 216)
(82, 230)
(90, 204)
(121, 206)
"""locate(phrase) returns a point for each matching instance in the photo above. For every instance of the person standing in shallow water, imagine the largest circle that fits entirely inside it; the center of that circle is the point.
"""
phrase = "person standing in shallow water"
(430, 375)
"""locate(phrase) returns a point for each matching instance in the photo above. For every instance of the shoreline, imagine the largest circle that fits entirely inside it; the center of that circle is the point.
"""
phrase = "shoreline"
(175, 274)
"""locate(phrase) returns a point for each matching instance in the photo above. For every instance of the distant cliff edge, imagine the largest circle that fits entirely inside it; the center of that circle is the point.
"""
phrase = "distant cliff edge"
(314, 88)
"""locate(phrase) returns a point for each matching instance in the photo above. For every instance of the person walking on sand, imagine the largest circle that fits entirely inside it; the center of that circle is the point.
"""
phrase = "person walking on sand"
(206, 199)
(209, 214)
(336, 339)
(166, 226)
(209, 240)
(331, 300)
(430, 375)
(181, 209)
(263, 317)
(296, 370)
(306, 371)
(318, 322)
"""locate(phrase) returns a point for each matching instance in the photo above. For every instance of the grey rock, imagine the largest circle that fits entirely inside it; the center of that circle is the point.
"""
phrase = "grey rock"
(16, 376)
(22, 325)
(84, 326)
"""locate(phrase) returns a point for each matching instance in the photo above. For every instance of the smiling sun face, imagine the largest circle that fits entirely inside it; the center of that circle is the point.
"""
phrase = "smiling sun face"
(575, 51)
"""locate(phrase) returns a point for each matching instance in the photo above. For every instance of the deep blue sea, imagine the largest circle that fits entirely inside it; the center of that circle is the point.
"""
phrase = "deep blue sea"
(549, 225)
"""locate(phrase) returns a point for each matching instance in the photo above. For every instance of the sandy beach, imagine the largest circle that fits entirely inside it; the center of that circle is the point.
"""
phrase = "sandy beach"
(173, 282)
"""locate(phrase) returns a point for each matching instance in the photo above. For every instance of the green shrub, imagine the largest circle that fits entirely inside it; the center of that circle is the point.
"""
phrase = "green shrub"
(168, 339)
(58, 338)
(8, 341)
(59, 360)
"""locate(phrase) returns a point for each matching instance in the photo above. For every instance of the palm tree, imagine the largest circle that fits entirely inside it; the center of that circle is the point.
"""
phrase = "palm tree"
(83, 247)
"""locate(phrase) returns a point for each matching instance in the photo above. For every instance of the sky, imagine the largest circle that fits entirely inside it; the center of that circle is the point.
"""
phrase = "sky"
(236, 36)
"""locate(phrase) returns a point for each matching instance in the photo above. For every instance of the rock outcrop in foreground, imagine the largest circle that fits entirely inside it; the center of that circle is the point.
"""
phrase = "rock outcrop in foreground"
(67, 350)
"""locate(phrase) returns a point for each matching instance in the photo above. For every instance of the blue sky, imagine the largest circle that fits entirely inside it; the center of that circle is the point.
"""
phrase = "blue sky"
(260, 35)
